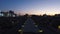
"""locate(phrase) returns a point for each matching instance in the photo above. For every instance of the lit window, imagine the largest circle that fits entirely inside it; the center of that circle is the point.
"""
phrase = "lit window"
(1, 14)
(59, 27)
(8, 14)
(40, 31)
(13, 15)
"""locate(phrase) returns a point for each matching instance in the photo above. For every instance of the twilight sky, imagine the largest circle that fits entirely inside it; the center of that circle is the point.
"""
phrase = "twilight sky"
(37, 7)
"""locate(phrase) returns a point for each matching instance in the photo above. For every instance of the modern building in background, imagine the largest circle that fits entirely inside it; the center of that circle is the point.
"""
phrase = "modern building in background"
(7, 14)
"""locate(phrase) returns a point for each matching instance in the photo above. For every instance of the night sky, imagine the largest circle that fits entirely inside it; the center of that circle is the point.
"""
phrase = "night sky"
(37, 7)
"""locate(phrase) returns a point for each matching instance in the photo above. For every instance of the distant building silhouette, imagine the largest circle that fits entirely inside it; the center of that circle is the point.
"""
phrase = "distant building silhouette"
(8, 14)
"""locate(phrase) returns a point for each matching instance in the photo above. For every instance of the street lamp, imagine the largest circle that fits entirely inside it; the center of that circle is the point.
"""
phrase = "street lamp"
(40, 31)
(58, 26)
(20, 31)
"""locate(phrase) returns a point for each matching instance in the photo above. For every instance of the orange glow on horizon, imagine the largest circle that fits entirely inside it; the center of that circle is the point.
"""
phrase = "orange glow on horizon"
(39, 12)
(42, 13)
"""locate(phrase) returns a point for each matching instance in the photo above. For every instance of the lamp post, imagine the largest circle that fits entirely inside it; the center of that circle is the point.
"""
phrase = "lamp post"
(58, 26)
(40, 31)
(20, 31)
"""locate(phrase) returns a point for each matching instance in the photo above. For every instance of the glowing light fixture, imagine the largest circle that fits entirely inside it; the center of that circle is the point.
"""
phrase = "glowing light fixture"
(40, 31)
(59, 27)
(19, 30)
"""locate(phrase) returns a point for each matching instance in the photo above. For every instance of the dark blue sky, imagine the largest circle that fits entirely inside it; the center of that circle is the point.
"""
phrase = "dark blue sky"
(31, 6)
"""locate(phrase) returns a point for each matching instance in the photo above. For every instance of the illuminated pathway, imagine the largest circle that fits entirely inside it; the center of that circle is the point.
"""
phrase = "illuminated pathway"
(29, 26)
